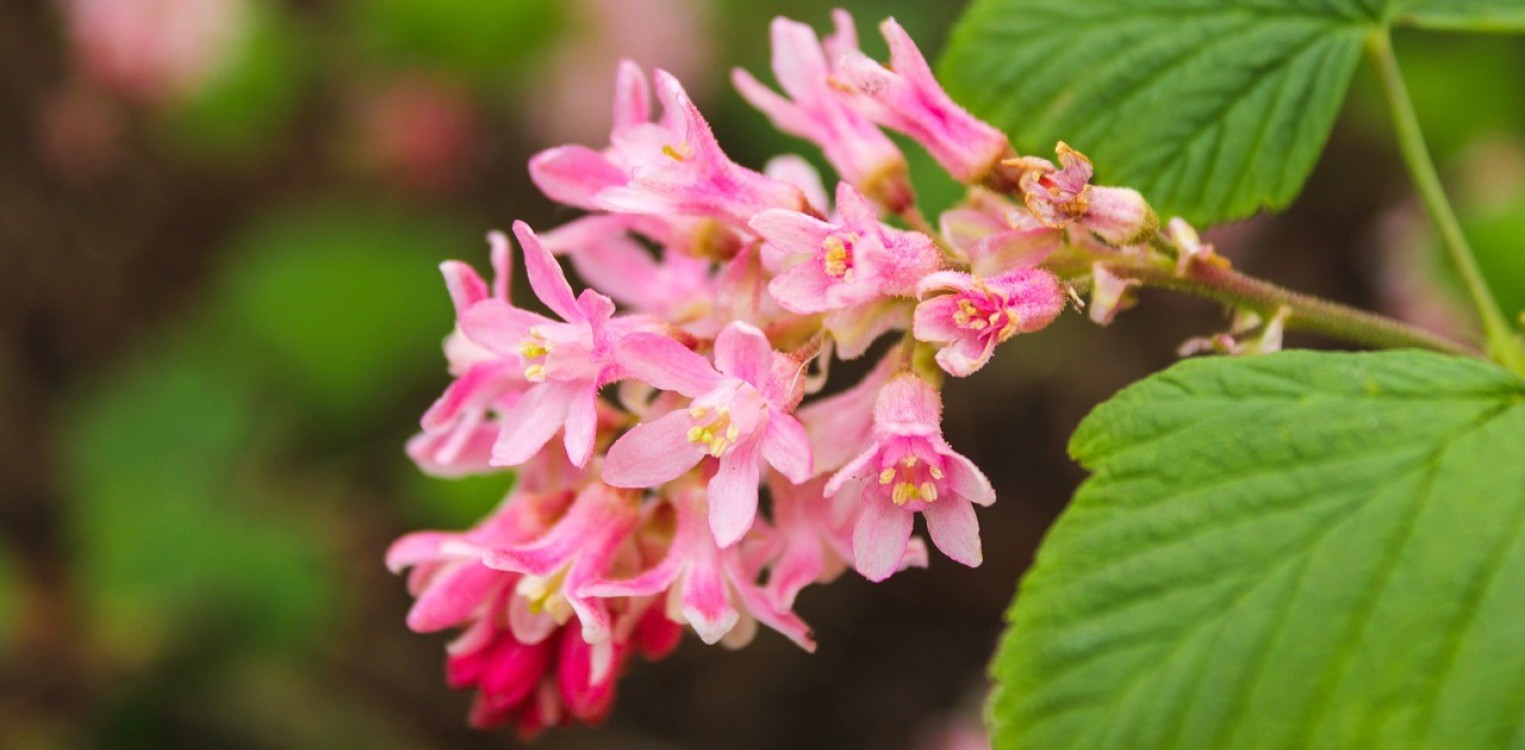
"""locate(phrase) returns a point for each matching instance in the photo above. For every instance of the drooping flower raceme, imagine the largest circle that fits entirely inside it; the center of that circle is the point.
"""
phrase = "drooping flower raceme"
(648, 416)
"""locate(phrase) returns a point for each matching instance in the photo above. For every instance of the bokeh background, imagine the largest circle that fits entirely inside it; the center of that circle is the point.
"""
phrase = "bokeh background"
(220, 319)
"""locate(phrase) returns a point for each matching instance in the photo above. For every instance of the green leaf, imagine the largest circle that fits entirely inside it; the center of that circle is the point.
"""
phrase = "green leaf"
(1466, 15)
(346, 306)
(1213, 109)
(1291, 551)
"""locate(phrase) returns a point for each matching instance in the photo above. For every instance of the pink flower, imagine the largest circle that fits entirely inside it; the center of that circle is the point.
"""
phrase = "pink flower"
(567, 361)
(1119, 217)
(819, 113)
(157, 50)
(713, 588)
(980, 313)
(909, 469)
(1109, 294)
(457, 432)
(674, 287)
(677, 167)
(995, 236)
(812, 538)
(579, 549)
(840, 424)
(738, 415)
(906, 97)
(843, 264)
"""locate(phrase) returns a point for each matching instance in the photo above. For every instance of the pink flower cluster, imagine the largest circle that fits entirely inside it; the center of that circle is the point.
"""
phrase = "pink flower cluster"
(649, 415)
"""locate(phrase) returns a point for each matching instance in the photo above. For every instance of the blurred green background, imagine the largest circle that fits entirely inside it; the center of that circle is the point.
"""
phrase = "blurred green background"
(220, 319)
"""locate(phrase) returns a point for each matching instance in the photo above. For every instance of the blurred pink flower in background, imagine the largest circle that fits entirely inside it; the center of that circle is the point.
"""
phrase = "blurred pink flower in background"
(571, 102)
(153, 51)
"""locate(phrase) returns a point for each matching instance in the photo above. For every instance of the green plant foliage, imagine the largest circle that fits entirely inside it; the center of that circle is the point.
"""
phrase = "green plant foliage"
(1478, 15)
(171, 536)
(1214, 109)
(345, 303)
(481, 39)
(245, 108)
(1296, 550)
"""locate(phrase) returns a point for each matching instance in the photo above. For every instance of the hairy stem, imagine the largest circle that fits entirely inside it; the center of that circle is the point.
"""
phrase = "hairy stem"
(1216, 281)
(1503, 345)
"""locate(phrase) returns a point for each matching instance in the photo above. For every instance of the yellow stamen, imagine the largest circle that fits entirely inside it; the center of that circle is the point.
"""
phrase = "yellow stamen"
(680, 152)
(886, 476)
(715, 437)
(838, 259)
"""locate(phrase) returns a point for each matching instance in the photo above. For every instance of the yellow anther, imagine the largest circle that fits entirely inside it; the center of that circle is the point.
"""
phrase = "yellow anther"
(680, 152)
(886, 476)
(534, 373)
(716, 436)
(838, 260)
(935, 472)
(928, 491)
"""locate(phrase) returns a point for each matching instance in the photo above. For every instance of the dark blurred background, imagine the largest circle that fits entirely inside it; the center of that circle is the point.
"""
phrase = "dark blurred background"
(220, 319)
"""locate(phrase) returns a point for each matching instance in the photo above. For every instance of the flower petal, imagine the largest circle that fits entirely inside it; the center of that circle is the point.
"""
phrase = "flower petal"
(531, 423)
(880, 539)
(954, 529)
(733, 493)
(546, 277)
(652, 453)
(786, 447)
(742, 351)
(582, 423)
(664, 363)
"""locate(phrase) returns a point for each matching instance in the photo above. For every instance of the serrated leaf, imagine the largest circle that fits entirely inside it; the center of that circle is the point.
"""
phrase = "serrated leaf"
(1296, 550)
(1475, 15)
(1214, 109)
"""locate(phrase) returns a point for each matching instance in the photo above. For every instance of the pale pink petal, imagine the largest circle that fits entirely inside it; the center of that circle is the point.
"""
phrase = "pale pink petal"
(786, 447)
(954, 529)
(798, 172)
(582, 423)
(879, 541)
(781, 620)
(791, 231)
(574, 174)
(966, 356)
(783, 113)
(934, 320)
(652, 453)
(466, 288)
(856, 469)
(733, 493)
(632, 95)
(531, 423)
(797, 566)
(498, 326)
(743, 352)
(527, 624)
(415, 548)
(545, 275)
(457, 395)
(704, 596)
(856, 328)
(799, 63)
(965, 479)
(803, 289)
(666, 364)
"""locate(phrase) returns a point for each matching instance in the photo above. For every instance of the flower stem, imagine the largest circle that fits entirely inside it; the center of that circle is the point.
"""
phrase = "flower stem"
(1216, 281)
(1503, 345)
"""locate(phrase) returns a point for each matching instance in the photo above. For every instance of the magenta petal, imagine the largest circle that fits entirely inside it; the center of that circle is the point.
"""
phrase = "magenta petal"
(545, 275)
(652, 453)
(781, 620)
(582, 424)
(954, 529)
(799, 565)
(786, 447)
(879, 540)
(742, 351)
(733, 494)
(452, 597)
(531, 423)
(663, 363)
